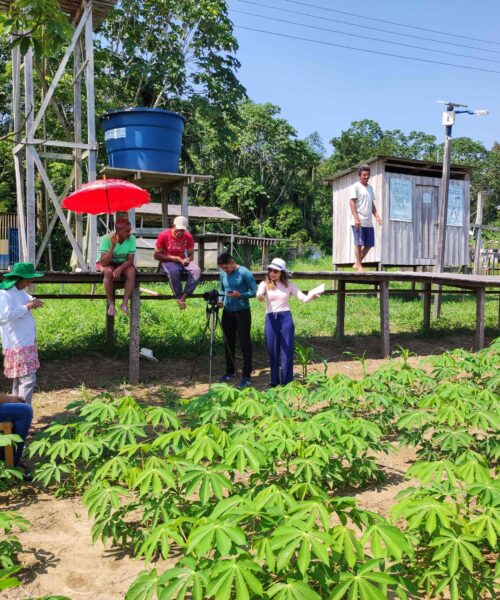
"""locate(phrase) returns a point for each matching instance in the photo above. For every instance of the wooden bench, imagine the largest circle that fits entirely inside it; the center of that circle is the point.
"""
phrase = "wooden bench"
(6, 429)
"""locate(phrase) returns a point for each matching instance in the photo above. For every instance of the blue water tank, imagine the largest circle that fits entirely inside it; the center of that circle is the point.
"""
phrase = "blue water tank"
(144, 139)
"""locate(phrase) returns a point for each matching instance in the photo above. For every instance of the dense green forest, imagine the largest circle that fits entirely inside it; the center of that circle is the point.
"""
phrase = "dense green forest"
(183, 56)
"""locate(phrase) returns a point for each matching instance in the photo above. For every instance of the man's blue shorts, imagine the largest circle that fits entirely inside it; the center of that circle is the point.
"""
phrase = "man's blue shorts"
(364, 236)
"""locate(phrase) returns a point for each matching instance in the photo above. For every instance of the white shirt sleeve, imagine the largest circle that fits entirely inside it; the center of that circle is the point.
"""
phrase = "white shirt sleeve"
(298, 294)
(8, 311)
(353, 192)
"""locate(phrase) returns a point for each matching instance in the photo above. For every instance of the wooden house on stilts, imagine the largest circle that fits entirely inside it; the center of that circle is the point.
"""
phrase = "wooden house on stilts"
(407, 197)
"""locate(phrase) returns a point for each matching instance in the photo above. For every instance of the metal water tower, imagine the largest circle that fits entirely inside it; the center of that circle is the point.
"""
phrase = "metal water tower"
(33, 150)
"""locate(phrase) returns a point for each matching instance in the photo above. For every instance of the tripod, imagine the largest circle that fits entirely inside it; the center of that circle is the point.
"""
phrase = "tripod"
(212, 320)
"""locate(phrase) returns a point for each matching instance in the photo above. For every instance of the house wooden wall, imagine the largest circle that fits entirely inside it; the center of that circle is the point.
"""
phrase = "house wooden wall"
(400, 243)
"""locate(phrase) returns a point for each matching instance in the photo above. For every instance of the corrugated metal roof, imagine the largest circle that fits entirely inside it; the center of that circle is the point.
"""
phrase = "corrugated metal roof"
(196, 213)
(410, 164)
(74, 8)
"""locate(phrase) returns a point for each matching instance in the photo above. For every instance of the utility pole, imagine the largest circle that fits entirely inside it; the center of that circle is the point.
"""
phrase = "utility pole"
(448, 122)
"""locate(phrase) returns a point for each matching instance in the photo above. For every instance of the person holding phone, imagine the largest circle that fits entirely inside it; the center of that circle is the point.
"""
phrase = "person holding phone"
(237, 286)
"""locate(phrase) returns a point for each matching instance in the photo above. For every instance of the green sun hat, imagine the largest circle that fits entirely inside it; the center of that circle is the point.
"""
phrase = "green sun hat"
(20, 270)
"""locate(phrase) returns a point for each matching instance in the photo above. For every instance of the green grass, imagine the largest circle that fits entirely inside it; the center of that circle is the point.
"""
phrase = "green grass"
(67, 328)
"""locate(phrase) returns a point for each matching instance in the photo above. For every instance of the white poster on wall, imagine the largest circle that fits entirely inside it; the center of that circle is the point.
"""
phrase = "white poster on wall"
(455, 216)
(400, 200)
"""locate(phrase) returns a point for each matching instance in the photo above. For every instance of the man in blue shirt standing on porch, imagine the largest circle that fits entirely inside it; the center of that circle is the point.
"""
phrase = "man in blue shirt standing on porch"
(237, 285)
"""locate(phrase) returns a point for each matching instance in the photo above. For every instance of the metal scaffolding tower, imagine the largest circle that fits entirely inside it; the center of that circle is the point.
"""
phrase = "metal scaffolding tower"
(33, 150)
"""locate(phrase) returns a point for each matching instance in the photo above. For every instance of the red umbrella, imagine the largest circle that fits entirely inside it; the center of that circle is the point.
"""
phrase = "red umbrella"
(106, 196)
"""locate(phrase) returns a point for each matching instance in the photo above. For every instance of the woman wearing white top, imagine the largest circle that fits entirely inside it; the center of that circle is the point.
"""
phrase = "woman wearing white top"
(279, 328)
(18, 329)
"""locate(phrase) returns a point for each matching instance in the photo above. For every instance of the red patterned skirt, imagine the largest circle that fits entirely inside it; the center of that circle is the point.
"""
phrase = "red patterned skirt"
(18, 362)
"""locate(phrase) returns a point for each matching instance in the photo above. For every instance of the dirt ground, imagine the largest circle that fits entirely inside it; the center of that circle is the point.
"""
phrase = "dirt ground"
(59, 557)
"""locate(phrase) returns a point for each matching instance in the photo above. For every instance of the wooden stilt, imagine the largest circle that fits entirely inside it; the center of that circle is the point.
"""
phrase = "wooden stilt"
(480, 318)
(135, 309)
(427, 297)
(339, 329)
(384, 318)
(110, 332)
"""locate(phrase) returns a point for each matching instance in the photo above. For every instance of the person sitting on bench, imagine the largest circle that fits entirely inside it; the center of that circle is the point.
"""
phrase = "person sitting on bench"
(14, 410)
(116, 259)
(175, 251)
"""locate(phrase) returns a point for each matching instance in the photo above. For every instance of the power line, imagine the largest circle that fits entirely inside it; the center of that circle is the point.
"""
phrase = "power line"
(317, 27)
(342, 12)
(369, 27)
(425, 60)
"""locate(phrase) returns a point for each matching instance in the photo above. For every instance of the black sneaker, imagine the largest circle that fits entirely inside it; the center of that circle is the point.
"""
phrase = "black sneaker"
(226, 378)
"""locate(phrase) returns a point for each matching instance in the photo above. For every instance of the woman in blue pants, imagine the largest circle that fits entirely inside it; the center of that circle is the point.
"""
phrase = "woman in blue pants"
(279, 329)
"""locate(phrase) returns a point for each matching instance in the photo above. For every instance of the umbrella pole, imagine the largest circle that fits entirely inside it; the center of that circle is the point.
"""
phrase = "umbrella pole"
(107, 198)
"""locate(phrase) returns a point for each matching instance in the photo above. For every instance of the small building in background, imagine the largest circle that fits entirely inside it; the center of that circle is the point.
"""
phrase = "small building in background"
(407, 199)
(9, 240)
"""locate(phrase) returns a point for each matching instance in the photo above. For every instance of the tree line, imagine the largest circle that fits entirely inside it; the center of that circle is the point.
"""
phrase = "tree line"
(183, 56)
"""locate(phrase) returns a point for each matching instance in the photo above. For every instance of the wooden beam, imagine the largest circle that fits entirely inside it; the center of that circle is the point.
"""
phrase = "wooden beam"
(480, 318)
(134, 348)
(384, 319)
(339, 328)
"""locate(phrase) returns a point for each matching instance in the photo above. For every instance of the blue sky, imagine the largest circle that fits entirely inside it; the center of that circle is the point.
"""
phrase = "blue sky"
(323, 88)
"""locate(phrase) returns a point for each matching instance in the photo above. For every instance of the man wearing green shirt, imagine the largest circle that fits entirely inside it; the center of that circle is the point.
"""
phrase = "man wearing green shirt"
(116, 260)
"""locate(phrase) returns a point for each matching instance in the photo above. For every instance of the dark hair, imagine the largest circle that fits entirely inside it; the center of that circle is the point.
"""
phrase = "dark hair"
(363, 168)
(121, 222)
(283, 279)
(225, 258)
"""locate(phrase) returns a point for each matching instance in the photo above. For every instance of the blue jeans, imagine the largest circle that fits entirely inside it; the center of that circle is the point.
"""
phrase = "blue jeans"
(280, 339)
(20, 415)
(175, 271)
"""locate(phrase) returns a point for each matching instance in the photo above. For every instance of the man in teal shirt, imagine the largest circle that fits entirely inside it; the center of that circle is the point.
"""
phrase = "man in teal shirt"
(237, 285)
(116, 260)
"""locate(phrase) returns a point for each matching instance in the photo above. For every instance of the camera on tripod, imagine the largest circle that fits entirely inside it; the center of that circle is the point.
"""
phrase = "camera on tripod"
(212, 297)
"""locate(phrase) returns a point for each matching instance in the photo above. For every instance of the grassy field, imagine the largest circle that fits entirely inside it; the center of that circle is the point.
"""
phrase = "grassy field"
(74, 327)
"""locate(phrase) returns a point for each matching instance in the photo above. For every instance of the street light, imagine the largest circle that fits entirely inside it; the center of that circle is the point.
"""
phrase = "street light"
(448, 122)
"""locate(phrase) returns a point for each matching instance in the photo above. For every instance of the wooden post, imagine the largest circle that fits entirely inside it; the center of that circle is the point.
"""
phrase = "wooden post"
(384, 318)
(201, 253)
(339, 329)
(135, 313)
(246, 250)
(164, 208)
(426, 325)
(110, 332)
(477, 247)
(265, 257)
(184, 202)
(480, 318)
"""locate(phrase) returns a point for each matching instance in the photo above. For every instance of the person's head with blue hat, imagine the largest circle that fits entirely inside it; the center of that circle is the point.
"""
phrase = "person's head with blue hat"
(21, 275)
